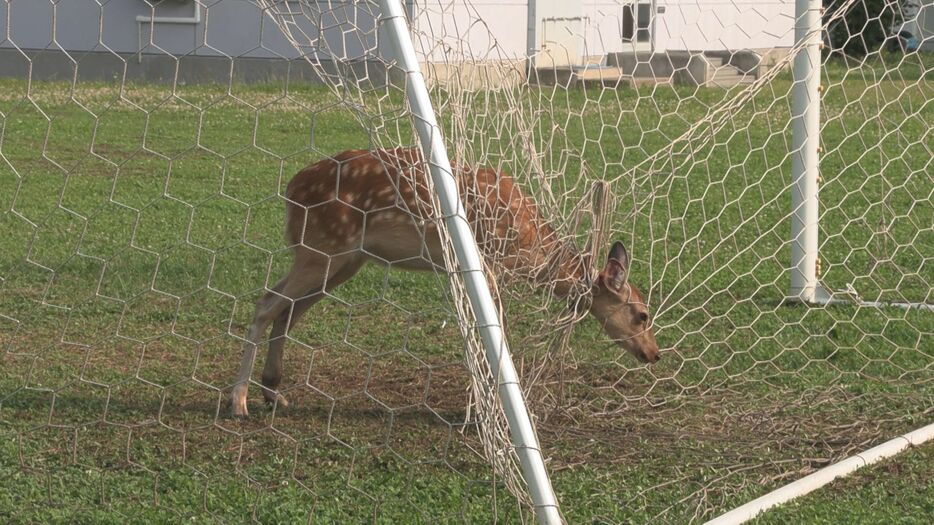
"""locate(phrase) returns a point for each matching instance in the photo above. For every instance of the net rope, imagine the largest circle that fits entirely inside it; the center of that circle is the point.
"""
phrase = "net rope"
(142, 218)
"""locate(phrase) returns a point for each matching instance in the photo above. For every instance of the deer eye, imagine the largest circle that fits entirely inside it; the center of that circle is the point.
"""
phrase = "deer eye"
(643, 317)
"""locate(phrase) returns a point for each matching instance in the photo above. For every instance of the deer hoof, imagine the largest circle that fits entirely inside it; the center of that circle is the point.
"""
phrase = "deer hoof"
(238, 403)
(238, 410)
(275, 399)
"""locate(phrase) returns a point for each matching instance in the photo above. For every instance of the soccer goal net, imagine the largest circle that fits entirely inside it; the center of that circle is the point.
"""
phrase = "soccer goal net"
(704, 229)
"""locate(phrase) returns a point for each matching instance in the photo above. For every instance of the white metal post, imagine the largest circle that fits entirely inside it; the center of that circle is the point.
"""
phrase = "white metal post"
(469, 264)
(805, 153)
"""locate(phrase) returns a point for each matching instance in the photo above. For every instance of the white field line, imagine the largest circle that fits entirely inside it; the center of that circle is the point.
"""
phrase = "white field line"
(824, 476)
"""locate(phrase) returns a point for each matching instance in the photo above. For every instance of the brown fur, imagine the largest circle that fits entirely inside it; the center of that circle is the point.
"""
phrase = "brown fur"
(360, 196)
(363, 206)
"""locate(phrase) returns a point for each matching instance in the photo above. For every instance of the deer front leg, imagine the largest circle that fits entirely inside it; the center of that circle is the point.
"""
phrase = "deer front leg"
(273, 304)
(270, 306)
(272, 371)
(238, 395)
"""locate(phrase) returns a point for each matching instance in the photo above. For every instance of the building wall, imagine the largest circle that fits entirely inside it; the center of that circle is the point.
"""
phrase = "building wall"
(235, 28)
(712, 25)
(603, 28)
(447, 31)
(458, 31)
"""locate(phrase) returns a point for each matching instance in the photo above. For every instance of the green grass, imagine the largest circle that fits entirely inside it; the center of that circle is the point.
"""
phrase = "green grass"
(138, 229)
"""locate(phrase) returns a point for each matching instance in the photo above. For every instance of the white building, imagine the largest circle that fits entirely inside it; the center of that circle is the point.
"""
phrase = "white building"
(570, 32)
(709, 42)
(153, 39)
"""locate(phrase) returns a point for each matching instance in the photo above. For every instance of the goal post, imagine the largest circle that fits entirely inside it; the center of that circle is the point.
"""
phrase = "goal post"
(471, 268)
(805, 154)
(806, 151)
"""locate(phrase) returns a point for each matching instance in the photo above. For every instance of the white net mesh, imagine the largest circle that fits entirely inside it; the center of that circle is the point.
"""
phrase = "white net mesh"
(145, 153)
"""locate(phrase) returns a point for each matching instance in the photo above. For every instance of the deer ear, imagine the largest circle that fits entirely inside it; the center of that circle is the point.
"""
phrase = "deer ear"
(619, 254)
(616, 270)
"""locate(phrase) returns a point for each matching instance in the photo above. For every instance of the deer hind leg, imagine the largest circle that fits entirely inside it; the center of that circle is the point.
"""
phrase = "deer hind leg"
(309, 272)
(272, 370)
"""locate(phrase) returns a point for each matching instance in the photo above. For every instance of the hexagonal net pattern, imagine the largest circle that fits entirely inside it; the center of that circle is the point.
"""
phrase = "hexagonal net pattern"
(627, 169)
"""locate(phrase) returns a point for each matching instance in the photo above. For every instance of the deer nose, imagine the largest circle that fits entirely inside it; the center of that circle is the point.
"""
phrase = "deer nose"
(654, 358)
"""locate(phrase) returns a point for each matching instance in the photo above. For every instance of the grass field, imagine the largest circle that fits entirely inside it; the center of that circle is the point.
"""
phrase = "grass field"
(139, 227)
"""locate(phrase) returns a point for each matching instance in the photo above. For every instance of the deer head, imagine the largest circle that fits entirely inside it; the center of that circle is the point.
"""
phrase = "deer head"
(620, 308)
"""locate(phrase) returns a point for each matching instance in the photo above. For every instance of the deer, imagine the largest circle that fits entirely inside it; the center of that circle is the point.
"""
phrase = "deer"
(364, 206)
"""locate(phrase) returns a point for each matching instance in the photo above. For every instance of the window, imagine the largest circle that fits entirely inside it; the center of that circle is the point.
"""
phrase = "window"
(645, 22)
(637, 22)
(628, 26)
